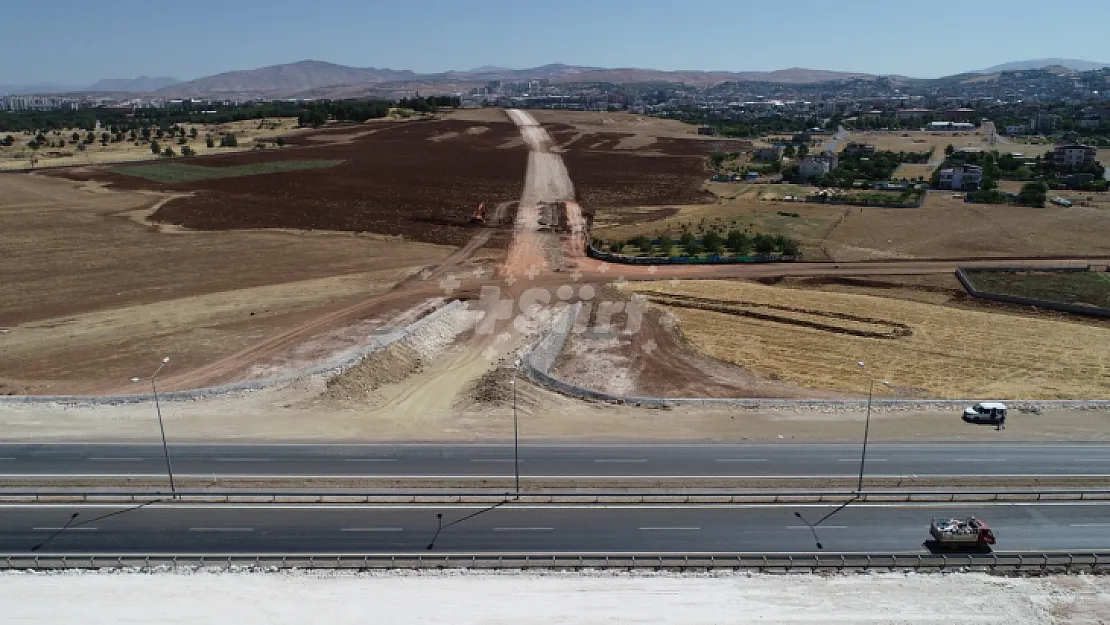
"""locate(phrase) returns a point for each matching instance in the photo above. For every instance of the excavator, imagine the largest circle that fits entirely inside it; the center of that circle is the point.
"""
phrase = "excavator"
(479, 216)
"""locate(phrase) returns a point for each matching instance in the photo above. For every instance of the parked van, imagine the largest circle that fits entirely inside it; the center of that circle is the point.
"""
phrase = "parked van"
(989, 412)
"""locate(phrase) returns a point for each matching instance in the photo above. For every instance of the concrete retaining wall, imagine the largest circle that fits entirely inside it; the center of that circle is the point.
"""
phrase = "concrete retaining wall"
(337, 364)
(1094, 311)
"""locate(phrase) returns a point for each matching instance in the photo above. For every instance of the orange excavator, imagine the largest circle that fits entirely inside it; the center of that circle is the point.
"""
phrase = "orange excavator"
(479, 216)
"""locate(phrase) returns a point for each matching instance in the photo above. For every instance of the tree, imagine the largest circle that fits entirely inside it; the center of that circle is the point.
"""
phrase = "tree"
(229, 141)
(738, 242)
(133, 135)
(182, 141)
(193, 133)
(687, 239)
(789, 247)
(90, 137)
(712, 242)
(154, 147)
(168, 152)
(1033, 194)
(188, 151)
(208, 141)
(105, 137)
(76, 137)
(34, 145)
(764, 244)
(788, 151)
(642, 243)
(280, 142)
(803, 149)
(949, 150)
(665, 245)
(9, 141)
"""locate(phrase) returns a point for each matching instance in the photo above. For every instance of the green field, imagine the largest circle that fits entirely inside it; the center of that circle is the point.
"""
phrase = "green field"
(183, 172)
(1084, 288)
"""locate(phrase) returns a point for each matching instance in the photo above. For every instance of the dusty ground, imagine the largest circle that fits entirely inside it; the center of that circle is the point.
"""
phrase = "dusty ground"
(92, 295)
(18, 157)
(815, 339)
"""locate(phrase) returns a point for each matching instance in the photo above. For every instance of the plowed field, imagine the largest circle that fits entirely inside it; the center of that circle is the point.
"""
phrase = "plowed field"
(419, 180)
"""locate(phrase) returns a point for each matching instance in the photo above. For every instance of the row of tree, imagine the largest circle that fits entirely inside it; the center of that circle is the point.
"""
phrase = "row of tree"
(710, 242)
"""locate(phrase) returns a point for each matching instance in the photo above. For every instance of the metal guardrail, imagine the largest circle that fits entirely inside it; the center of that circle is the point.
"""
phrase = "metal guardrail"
(1011, 563)
(579, 497)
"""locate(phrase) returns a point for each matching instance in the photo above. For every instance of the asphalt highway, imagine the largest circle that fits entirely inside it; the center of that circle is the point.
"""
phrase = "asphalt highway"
(239, 529)
(648, 461)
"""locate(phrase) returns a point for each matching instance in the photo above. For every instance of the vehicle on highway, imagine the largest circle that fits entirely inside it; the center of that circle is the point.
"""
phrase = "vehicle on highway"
(961, 533)
(988, 411)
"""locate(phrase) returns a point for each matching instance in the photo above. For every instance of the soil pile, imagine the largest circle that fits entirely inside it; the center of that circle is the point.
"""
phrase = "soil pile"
(386, 366)
(494, 388)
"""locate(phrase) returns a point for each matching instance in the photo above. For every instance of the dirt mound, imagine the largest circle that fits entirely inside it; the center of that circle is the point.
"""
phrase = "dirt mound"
(494, 388)
(386, 366)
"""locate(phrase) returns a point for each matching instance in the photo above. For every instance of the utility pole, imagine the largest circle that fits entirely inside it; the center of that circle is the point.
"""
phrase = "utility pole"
(161, 426)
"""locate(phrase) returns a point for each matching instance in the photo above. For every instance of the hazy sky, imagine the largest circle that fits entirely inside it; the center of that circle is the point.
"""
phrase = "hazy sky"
(78, 42)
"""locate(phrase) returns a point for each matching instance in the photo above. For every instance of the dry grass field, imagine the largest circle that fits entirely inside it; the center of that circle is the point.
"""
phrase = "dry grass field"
(93, 294)
(18, 157)
(948, 353)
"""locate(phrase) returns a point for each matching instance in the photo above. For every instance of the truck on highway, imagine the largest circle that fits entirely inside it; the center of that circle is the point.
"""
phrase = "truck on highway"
(969, 533)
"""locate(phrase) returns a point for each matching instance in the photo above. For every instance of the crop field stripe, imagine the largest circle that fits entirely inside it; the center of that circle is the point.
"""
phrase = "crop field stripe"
(183, 172)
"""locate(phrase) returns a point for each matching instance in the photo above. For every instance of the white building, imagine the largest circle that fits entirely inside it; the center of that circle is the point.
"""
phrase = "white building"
(950, 126)
(817, 165)
(962, 178)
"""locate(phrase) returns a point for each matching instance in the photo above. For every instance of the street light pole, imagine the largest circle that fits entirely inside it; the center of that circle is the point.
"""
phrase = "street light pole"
(161, 426)
(516, 430)
(866, 430)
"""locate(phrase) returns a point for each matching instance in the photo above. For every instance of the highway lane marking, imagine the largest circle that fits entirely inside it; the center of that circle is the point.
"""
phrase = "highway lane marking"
(492, 460)
(1090, 525)
(221, 529)
(242, 459)
(370, 460)
(372, 529)
(523, 529)
(622, 460)
(857, 460)
(111, 459)
(741, 460)
(670, 529)
(58, 529)
(820, 527)
(6, 458)
(980, 460)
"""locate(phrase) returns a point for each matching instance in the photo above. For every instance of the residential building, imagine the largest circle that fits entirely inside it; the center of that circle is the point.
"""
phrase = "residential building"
(913, 113)
(1043, 122)
(859, 149)
(950, 126)
(958, 115)
(1076, 155)
(961, 178)
(817, 166)
(772, 153)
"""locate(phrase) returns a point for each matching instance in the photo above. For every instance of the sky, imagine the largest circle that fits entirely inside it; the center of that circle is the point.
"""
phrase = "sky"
(76, 42)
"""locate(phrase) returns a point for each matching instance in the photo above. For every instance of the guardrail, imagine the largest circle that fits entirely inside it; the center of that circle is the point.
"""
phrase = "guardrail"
(552, 497)
(1012, 563)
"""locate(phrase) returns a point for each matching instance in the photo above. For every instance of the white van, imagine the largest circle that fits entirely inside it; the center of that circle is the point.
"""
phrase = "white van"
(988, 411)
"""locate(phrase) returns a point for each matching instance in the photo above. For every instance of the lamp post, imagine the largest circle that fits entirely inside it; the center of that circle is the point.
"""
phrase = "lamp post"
(161, 427)
(866, 427)
(516, 430)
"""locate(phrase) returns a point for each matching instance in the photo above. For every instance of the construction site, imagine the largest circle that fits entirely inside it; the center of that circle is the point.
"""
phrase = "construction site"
(409, 281)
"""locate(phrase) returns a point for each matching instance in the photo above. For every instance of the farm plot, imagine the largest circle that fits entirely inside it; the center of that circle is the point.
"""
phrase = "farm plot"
(1084, 288)
(947, 352)
(395, 180)
(185, 172)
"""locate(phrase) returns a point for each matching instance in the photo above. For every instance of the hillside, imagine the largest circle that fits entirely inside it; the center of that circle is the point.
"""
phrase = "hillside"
(284, 79)
(1072, 64)
(136, 85)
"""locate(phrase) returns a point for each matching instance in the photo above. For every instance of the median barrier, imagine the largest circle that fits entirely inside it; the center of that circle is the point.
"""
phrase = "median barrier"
(1026, 563)
(433, 498)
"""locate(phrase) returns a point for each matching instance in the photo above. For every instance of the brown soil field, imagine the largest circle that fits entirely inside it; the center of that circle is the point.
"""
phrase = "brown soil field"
(947, 352)
(94, 295)
(420, 180)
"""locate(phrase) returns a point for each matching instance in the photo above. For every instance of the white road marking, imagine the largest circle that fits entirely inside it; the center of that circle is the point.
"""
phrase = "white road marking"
(666, 529)
(820, 527)
(980, 460)
(242, 459)
(620, 459)
(370, 459)
(1090, 525)
(741, 460)
(492, 460)
(68, 529)
(857, 460)
(523, 529)
(373, 529)
(221, 529)
(6, 458)
(107, 459)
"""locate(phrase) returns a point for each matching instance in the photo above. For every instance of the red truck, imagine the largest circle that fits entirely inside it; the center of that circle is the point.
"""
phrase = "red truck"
(961, 533)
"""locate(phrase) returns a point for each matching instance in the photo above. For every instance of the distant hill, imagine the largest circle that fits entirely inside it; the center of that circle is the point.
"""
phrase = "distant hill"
(135, 85)
(1016, 66)
(284, 79)
(793, 75)
(38, 87)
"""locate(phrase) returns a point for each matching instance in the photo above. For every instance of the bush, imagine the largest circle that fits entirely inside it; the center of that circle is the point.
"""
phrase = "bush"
(188, 151)
(168, 153)
(154, 147)
(229, 141)
(280, 142)
(209, 141)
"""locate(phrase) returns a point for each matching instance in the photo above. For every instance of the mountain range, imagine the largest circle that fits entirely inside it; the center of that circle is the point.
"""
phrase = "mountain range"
(319, 79)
